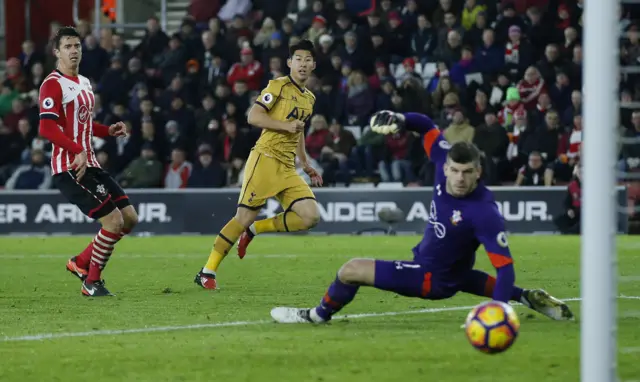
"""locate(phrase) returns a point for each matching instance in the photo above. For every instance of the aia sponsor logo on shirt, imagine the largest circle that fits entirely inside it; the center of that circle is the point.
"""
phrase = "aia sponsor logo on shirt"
(83, 114)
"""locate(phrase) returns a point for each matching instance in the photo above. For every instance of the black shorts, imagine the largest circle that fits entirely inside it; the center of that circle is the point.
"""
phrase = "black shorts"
(96, 194)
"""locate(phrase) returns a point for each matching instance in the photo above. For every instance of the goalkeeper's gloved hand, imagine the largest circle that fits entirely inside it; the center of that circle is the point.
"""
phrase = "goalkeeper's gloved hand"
(386, 122)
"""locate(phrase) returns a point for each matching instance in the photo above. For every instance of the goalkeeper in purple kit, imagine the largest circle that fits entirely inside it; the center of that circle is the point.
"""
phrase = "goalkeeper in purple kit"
(462, 215)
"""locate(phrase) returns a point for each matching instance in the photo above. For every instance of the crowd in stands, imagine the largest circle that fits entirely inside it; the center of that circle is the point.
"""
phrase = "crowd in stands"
(502, 75)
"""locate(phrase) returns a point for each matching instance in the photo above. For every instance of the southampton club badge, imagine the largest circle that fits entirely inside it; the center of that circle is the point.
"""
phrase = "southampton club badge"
(101, 190)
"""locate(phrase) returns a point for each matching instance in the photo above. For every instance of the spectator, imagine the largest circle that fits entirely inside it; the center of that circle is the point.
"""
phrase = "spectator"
(232, 149)
(94, 59)
(480, 108)
(317, 136)
(492, 140)
(119, 48)
(539, 34)
(359, 99)
(33, 176)
(179, 170)
(569, 221)
(551, 63)
(207, 173)
(15, 78)
(490, 55)
(470, 13)
(29, 56)
(533, 173)
(541, 109)
(518, 54)
(424, 40)
(467, 65)
(508, 23)
(151, 138)
(367, 153)
(36, 76)
(530, 88)
(335, 154)
(473, 36)
(459, 130)
(318, 27)
(395, 167)
(146, 171)
(560, 91)
(398, 38)
(134, 73)
(521, 127)
(261, 39)
(450, 52)
(545, 139)
(444, 6)
(17, 113)
(248, 70)
(172, 61)
(574, 70)
(113, 82)
(574, 109)
(154, 42)
(512, 105)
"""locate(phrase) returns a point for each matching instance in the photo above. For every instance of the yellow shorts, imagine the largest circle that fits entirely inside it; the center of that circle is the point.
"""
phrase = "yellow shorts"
(266, 177)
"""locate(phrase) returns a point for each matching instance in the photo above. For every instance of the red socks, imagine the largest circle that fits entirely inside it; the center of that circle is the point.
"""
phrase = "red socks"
(102, 247)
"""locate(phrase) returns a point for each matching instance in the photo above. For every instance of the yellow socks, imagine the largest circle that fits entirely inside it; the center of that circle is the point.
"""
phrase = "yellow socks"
(287, 221)
(223, 243)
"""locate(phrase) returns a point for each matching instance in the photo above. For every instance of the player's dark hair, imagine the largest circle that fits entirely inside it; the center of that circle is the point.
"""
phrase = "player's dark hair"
(464, 152)
(65, 32)
(302, 45)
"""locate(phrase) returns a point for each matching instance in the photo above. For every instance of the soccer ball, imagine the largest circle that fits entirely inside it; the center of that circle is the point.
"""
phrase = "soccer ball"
(492, 327)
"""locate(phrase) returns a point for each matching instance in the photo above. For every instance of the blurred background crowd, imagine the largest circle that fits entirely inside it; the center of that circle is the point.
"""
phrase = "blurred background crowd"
(505, 75)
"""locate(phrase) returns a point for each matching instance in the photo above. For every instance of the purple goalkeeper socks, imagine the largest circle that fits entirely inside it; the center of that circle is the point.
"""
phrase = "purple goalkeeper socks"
(338, 295)
(516, 295)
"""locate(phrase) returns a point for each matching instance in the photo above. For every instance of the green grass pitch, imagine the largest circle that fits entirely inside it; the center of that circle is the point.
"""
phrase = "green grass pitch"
(161, 327)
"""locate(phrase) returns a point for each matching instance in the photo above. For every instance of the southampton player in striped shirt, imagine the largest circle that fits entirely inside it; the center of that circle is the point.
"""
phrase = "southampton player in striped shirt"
(66, 108)
(463, 214)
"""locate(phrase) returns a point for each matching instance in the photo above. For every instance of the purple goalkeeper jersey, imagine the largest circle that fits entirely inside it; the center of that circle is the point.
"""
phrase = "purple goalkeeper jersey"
(457, 226)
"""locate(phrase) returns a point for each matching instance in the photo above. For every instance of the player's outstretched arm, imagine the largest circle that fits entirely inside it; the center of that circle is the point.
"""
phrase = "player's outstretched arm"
(490, 232)
(389, 122)
(259, 117)
(419, 123)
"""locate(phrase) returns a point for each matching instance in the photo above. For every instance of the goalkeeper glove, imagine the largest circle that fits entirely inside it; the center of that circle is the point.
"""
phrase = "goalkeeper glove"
(386, 122)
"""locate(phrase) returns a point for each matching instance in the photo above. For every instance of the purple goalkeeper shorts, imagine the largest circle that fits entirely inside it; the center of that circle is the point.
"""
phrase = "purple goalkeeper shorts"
(408, 278)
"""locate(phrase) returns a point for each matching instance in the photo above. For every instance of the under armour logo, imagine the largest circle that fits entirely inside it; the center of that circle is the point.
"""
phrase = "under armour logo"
(72, 88)
(294, 98)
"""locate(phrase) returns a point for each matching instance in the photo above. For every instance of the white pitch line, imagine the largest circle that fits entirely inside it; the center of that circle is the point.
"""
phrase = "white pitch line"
(113, 332)
(628, 279)
(630, 314)
(159, 255)
(630, 350)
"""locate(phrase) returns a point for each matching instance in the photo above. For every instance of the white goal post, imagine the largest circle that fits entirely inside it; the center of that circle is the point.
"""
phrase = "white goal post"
(601, 36)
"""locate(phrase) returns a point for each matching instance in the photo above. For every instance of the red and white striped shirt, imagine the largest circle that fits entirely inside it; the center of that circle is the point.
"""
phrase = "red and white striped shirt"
(69, 102)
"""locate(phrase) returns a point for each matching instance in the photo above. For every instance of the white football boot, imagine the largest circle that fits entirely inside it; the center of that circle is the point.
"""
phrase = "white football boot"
(285, 315)
(544, 303)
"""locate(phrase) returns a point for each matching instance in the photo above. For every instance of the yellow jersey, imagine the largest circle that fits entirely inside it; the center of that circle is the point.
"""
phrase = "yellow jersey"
(284, 100)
